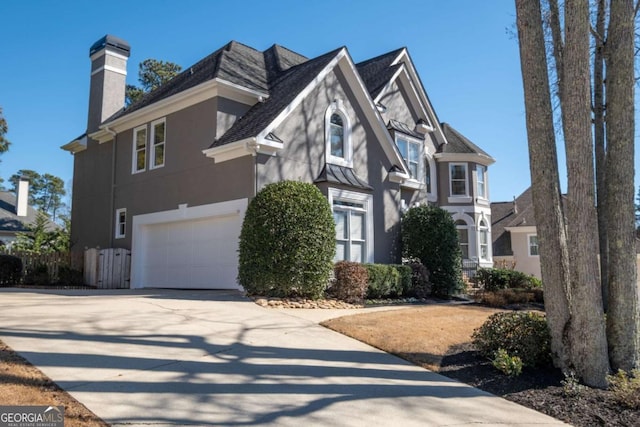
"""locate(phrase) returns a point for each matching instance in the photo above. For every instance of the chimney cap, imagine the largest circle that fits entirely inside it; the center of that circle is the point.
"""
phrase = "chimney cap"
(115, 43)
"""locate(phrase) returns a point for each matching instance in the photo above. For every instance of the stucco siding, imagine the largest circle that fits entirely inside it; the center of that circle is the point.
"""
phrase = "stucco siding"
(397, 104)
(523, 261)
(303, 158)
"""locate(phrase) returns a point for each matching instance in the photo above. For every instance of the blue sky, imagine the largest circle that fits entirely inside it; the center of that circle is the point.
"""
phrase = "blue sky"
(463, 50)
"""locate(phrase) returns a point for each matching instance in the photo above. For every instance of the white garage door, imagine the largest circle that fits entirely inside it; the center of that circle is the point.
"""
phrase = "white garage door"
(198, 253)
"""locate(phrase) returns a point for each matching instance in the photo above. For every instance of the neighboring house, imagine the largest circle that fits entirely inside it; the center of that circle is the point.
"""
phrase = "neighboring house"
(515, 241)
(170, 177)
(15, 214)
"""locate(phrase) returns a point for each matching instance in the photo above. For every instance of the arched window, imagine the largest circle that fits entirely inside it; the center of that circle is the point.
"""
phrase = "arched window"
(483, 237)
(463, 238)
(336, 135)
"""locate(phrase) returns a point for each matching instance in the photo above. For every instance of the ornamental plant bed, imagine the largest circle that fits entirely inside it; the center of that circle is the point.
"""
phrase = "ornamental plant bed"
(21, 383)
(438, 337)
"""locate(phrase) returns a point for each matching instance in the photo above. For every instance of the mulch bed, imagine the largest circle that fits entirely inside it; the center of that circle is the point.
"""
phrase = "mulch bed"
(540, 389)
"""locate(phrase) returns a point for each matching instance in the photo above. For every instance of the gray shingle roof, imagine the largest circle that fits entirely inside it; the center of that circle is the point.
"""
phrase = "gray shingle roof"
(376, 72)
(284, 89)
(503, 215)
(9, 220)
(458, 143)
(234, 62)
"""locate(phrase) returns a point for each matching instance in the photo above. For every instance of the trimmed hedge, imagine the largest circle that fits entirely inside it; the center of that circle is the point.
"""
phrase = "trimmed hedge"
(384, 281)
(287, 242)
(429, 234)
(493, 279)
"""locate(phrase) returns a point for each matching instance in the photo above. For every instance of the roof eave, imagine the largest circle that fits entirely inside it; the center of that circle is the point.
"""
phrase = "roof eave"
(76, 146)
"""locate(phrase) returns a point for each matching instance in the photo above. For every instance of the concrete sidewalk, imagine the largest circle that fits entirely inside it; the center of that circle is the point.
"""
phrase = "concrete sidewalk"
(187, 358)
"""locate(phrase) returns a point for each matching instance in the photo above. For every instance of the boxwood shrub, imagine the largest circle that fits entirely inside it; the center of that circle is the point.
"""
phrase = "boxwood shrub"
(384, 281)
(287, 242)
(522, 334)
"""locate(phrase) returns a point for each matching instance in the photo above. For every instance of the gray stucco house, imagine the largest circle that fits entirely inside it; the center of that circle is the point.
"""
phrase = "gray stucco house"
(170, 176)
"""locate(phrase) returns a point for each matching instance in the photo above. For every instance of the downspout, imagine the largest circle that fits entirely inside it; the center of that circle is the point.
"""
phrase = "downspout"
(113, 187)
(254, 153)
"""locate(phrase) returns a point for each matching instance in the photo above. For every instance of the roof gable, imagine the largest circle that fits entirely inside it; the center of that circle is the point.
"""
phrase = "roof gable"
(285, 88)
(286, 93)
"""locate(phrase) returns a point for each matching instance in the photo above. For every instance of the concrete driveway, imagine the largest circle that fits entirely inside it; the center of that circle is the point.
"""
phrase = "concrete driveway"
(185, 358)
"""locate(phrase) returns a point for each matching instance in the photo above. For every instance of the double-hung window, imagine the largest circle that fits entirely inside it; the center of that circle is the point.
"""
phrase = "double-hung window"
(483, 234)
(158, 139)
(458, 179)
(481, 177)
(352, 213)
(410, 151)
(533, 245)
(139, 149)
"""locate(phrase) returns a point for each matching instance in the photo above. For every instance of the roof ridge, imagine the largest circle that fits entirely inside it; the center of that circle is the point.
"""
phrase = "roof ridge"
(377, 58)
(286, 48)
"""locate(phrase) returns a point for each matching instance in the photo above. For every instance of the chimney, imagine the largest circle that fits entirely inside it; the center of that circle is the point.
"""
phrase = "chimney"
(108, 79)
(515, 205)
(22, 197)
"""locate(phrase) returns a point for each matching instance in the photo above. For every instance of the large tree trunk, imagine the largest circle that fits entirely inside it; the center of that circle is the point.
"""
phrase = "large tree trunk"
(544, 177)
(622, 316)
(599, 141)
(588, 337)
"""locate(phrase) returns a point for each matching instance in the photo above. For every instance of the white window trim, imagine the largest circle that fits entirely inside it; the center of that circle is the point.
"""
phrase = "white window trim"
(152, 144)
(421, 155)
(337, 107)
(482, 228)
(472, 234)
(459, 198)
(367, 200)
(134, 162)
(529, 236)
(482, 197)
(118, 233)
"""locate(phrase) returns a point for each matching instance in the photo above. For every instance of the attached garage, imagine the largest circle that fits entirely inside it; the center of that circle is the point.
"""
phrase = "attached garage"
(189, 248)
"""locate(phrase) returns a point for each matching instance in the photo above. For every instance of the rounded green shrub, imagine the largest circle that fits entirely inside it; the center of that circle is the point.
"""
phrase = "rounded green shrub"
(350, 284)
(429, 234)
(521, 334)
(287, 242)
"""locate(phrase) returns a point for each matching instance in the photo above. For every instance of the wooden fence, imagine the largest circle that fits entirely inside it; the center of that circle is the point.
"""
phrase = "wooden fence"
(33, 264)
